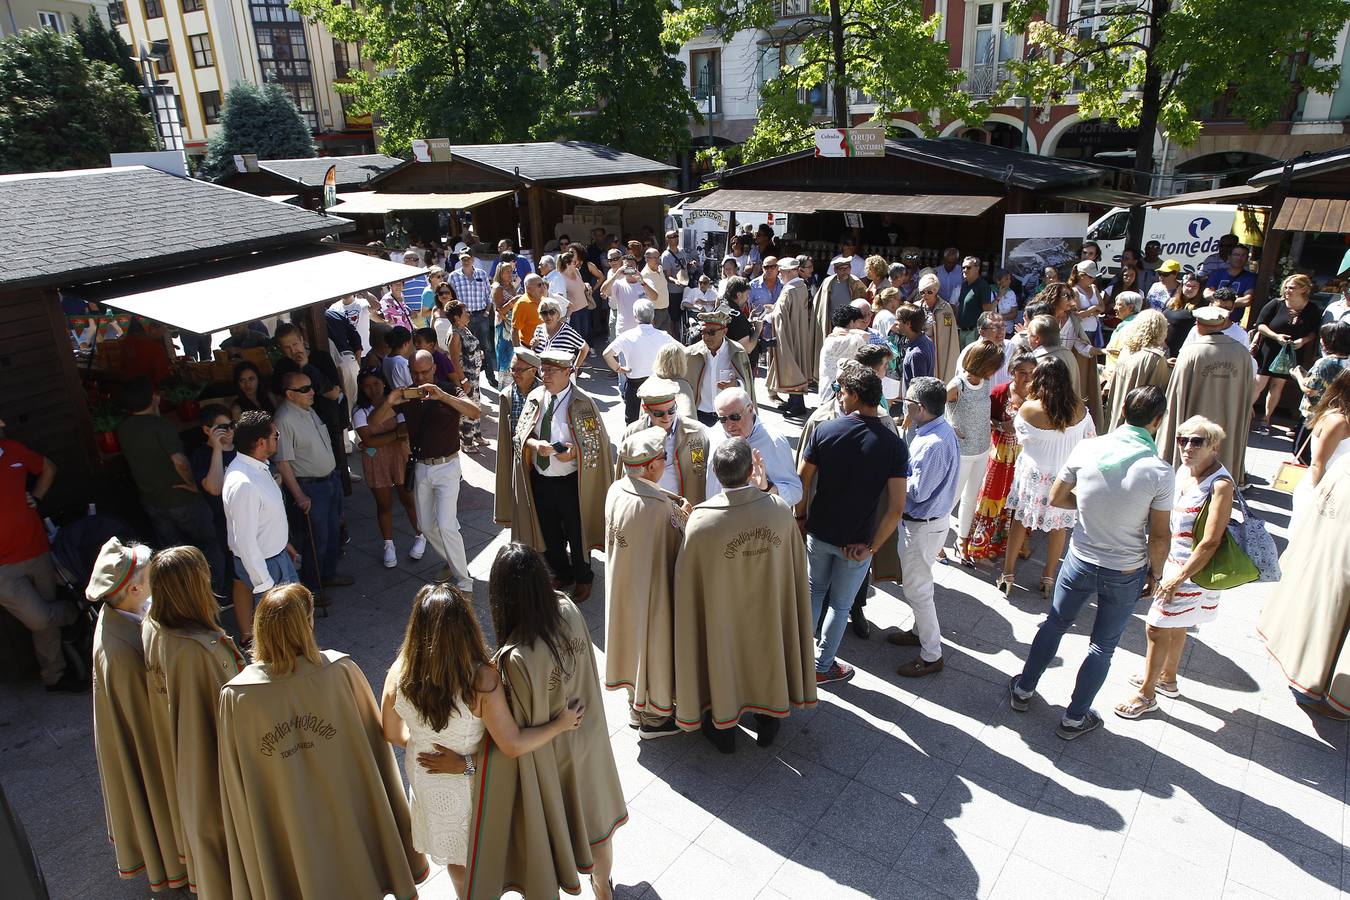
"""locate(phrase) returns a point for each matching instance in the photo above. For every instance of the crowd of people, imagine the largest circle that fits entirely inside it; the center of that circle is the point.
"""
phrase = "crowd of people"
(944, 404)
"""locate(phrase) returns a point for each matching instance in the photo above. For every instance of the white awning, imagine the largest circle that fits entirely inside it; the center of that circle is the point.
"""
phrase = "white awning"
(608, 193)
(282, 198)
(374, 202)
(254, 288)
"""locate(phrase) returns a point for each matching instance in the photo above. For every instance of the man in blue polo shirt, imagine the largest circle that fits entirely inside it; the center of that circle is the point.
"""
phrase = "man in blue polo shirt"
(852, 460)
(1236, 277)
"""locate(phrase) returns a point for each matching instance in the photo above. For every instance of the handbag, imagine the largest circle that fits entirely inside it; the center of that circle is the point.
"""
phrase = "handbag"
(1283, 362)
(1291, 471)
(1246, 552)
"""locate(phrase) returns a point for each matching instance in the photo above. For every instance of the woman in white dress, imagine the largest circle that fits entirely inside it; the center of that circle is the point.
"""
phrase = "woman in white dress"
(1329, 434)
(1178, 602)
(440, 696)
(1048, 425)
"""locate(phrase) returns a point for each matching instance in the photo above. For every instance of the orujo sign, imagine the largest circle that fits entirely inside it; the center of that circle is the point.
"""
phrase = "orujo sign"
(837, 142)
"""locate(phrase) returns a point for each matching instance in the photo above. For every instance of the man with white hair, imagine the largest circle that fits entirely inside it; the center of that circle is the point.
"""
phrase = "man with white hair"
(525, 314)
(548, 269)
(941, 326)
(774, 467)
(638, 346)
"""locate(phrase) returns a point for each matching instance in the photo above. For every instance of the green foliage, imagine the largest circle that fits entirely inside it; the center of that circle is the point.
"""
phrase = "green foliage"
(889, 53)
(257, 120)
(514, 70)
(60, 110)
(106, 44)
(1148, 62)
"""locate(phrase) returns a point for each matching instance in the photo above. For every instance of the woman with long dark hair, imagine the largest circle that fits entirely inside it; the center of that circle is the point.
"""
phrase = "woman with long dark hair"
(540, 821)
(440, 696)
(250, 392)
(1048, 425)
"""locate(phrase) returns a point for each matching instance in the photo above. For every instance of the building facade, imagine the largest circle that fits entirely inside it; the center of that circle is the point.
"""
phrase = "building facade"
(58, 15)
(725, 79)
(212, 44)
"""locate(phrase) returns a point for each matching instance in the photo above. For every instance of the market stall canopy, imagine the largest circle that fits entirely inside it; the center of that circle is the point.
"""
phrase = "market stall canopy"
(808, 202)
(374, 202)
(1239, 193)
(1314, 214)
(608, 193)
(1104, 196)
(205, 299)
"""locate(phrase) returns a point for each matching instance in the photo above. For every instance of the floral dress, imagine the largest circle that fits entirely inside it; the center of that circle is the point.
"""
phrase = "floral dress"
(1190, 603)
(989, 531)
(471, 359)
(1044, 451)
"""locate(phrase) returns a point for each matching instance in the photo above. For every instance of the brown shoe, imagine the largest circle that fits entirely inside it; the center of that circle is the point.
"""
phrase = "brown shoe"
(583, 591)
(339, 581)
(917, 668)
(903, 639)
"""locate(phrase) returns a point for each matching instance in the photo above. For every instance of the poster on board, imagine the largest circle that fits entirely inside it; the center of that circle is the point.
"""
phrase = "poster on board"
(1033, 241)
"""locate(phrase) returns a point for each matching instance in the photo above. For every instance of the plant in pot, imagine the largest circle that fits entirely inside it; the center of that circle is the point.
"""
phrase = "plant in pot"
(106, 418)
(182, 393)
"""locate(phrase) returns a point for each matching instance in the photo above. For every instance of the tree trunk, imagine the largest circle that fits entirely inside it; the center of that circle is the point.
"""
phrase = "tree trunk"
(839, 86)
(1151, 95)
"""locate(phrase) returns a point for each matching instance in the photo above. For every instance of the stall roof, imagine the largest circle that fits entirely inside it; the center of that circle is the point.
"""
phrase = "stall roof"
(807, 202)
(132, 219)
(1240, 193)
(1314, 214)
(1001, 164)
(1104, 196)
(352, 171)
(204, 299)
(376, 202)
(1305, 165)
(608, 193)
(553, 161)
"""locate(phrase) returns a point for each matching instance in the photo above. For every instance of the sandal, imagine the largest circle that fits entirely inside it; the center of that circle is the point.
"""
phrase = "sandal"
(1005, 585)
(1137, 706)
(961, 559)
(1166, 688)
(1047, 587)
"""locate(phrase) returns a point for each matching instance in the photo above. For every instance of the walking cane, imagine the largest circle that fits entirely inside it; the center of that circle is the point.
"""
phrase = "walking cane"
(320, 602)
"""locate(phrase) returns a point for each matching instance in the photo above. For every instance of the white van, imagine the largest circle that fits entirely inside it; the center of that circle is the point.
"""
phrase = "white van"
(1188, 232)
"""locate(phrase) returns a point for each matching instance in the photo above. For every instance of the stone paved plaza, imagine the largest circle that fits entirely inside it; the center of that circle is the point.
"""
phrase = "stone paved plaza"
(890, 788)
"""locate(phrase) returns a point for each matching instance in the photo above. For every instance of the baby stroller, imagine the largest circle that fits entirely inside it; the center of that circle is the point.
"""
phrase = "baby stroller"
(74, 552)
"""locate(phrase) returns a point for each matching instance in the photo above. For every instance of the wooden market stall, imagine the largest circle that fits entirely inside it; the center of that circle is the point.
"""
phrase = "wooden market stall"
(301, 180)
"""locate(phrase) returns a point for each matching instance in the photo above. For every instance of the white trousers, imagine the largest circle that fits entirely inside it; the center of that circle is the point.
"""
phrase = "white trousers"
(437, 496)
(968, 484)
(920, 543)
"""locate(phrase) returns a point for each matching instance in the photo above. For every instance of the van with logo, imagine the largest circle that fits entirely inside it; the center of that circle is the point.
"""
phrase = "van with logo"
(1188, 232)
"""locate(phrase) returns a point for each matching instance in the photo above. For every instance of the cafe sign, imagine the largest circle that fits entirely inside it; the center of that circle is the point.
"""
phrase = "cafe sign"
(836, 142)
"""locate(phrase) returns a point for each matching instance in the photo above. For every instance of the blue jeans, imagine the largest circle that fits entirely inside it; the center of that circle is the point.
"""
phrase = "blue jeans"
(581, 323)
(318, 560)
(1117, 593)
(279, 567)
(480, 324)
(830, 573)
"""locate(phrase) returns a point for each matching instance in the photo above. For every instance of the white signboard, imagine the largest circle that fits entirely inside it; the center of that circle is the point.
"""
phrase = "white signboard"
(431, 150)
(1033, 241)
(838, 142)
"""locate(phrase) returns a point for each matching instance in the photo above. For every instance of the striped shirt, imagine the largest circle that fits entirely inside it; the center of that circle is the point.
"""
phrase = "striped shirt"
(566, 338)
(472, 290)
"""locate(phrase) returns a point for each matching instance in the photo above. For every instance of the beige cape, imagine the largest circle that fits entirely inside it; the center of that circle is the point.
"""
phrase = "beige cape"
(641, 545)
(857, 289)
(138, 805)
(595, 469)
(886, 561)
(946, 340)
(742, 612)
(1135, 370)
(1213, 378)
(1307, 617)
(699, 356)
(185, 671)
(691, 456)
(793, 362)
(536, 817)
(501, 497)
(313, 799)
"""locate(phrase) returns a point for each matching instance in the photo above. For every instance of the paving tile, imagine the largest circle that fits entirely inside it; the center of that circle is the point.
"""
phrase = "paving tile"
(989, 810)
(836, 740)
(1283, 868)
(1206, 782)
(754, 835)
(903, 770)
(871, 822)
(1196, 834)
(1148, 869)
(1004, 758)
(821, 867)
(1022, 878)
(697, 874)
(675, 810)
(1051, 830)
(1321, 769)
(798, 787)
(1277, 806)
(951, 860)
(643, 849)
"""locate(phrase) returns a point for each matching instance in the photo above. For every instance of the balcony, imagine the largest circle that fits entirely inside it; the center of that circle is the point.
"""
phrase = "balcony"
(984, 78)
(791, 9)
(708, 101)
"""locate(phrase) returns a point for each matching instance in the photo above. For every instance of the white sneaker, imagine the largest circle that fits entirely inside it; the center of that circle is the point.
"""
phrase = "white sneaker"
(390, 556)
(419, 547)
(355, 477)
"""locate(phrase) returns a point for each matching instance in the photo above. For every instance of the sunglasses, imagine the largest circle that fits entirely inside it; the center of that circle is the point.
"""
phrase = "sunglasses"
(734, 417)
(547, 315)
(223, 426)
(302, 389)
(660, 413)
(1183, 441)
(521, 370)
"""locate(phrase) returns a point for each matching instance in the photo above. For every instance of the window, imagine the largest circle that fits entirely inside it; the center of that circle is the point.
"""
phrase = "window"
(777, 57)
(153, 9)
(202, 56)
(117, 12)
(283, 53)
(705, 80)
(53, 21)
(993, 47)
(164, 64)
(211, 107)
(178, 108)
(341, 63)
(191, 5)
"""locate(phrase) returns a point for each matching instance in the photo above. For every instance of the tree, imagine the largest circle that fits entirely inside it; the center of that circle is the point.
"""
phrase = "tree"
(60, 110)
(103, 43)
(257, 120)
(885, 49)
(443, 68)
(614, 79)
(1153, 64)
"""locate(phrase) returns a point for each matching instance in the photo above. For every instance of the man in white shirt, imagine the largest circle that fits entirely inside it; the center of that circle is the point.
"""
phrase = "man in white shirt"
(625, 286)
(775, 467)
(638, 345)
(255, 515)
(848, 247)
(655, 277)
(357, 310)
(548, 270)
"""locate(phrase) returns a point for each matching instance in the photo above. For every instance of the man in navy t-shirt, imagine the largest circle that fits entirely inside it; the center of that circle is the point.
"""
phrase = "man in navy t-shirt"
(1236, 277)
(851, 460)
